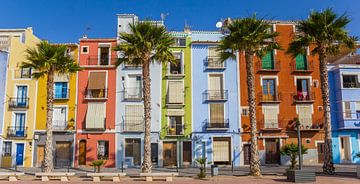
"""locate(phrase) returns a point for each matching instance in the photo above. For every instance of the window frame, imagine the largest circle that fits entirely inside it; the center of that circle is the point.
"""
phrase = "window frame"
(106, 150)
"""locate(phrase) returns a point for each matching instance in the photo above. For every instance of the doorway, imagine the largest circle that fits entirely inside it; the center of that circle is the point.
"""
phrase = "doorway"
(133, 151)
(40, 155)
(222, 150)
(345, 150)
(19, 154)
(170, 153)
(187, 154)
(272, 152)
(246, 152)
(320, 150)
(62, 154)
(82, 152)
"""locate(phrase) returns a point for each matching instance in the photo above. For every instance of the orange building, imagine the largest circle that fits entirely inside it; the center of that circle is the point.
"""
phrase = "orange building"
(286, 88)
(95, 121)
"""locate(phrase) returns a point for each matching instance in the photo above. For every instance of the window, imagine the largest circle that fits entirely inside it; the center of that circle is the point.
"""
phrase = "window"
(133, 89)
(134, 120)
(180, 42)
(351, 81)
(95, 116)
(97, 85)
(347, 110)
(358, 110)
(270, 116)
(103, 150)
(305, 115)
(176, 67)
(104, 55)
(59, 118)
(213, 59)
(84, 49)
(23, 73)
(175, 125)
(175, 92)
(217, 113)
(269, 93)
(19, 125)
(61, 90)
(302, 89)
(268, 60)
(7, 149)
(216, 87)
(301, 62)
(245, 111)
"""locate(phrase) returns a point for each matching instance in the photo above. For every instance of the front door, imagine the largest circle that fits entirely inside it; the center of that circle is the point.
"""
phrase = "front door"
(170, 156)
(247, 154)
(40, 155)
(19, 154)
(272, 152)
(82, 152)
(62, 154)
(187, 154)
(221, 151)
(133, 151)
(345, 154)
(154, 153)
(320, 149)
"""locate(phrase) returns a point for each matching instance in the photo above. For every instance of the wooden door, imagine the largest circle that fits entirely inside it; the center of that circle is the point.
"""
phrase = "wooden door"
(320, 149)
(187, 153)
(246, 150)
(272, 152)
(82, 152)
(40, 155)
(62, 154)
(170, 156)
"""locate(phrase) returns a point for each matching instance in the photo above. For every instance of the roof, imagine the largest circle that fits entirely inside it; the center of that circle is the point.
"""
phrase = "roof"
(349, 59)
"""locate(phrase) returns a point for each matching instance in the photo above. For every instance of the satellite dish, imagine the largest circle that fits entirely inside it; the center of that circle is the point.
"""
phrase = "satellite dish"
(219, 24)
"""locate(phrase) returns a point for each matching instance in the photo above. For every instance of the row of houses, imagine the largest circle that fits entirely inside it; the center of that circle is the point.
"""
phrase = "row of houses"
(199, 105)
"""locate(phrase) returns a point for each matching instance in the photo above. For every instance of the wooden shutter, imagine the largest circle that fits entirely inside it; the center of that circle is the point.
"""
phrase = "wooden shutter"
(221, 151)
(300, 62)
(217, 113)
(267, 60)
(175, 92)
(97, 80)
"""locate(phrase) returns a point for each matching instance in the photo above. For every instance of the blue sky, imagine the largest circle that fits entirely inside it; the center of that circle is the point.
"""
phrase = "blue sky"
(67, 20)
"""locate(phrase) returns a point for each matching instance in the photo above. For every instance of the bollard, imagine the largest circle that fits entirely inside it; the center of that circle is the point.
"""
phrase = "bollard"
(122, 167)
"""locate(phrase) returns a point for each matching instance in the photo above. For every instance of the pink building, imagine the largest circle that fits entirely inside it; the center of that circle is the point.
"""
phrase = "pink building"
(95, 135)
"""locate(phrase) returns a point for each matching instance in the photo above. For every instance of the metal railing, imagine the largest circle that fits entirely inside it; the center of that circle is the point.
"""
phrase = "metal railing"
(351, 85)
(59, 125)
(24, 73)
(214, 62)
(134, 124)
(63, 95)
(215, 95)
(17, 131)
(308, 67)
(303, 97)
(274, 68)
(132, 93)
(105, 60)
(18, 103)
(217, 124)
(178, 129)
(96, 93)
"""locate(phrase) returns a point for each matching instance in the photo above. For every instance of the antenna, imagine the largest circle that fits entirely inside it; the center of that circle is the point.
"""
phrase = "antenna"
(163, 16)
(86, 32)
(219, 24)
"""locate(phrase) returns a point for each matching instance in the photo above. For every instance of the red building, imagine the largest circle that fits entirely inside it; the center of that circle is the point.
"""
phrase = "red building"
(95, 135)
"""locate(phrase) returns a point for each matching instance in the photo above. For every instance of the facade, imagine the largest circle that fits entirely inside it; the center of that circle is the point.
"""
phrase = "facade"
(344, 82)
(19, 109)
(176, 115)
(215, 102)
(130, 108)
(64, 115)
(96, 98)
(286, 88)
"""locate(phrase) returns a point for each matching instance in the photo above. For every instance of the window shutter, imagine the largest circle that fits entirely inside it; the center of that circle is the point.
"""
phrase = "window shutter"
(175, 92)
(267, 60)
(300, 62)
(221, 151)
(305, 115)
(216, 113)
(270, 116)
(347, 109)
(97, 80)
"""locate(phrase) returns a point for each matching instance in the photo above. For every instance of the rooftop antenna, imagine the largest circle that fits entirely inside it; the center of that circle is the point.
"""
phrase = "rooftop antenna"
(163, 16)
(186, 27)
(86, 32)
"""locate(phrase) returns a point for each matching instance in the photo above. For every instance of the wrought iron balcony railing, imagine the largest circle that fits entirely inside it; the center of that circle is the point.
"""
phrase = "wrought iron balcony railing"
(177, 130)
(17, 131)
(97, 60)
(134, 124)
(19, 103)
(217, 124)
(306, 67)
(275, 66)
(214, 62)
(133, 94)
(269, 98)
(96, 93)
(303, 97)
(215, 95)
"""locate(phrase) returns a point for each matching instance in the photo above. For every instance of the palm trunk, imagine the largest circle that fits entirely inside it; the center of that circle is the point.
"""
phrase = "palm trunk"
(48, 160)
(328, 166)
(254, 157)
(146, 166)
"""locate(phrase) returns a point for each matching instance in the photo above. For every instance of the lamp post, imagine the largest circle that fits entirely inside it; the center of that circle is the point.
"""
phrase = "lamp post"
(299, 142)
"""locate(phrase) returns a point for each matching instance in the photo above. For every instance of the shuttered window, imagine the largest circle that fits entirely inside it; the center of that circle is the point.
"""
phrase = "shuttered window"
(347, 109)
(270, 116)
(301, 62)
(268, 60)
(221, 151)
(305, 115)
(175, 92)
(134, 118)
(97, 80)
(217, 113)
(95, 115)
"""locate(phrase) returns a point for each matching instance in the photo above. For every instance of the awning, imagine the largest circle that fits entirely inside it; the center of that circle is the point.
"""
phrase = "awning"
(175, 112)
(95, 115)
(97, 80)
(61, 77)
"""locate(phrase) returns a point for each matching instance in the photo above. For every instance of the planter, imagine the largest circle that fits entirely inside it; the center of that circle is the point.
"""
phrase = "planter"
(301, 176)
(358, 171)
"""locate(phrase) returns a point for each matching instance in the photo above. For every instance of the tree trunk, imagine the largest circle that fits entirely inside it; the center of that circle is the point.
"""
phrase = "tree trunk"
(146, 166)
(254, 158)
(328, 166)
(48, 160)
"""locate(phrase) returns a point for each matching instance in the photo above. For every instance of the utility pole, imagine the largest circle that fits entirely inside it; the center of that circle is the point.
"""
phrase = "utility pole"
(299, 143)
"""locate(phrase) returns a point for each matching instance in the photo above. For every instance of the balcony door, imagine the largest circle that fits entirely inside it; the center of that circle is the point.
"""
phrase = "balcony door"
(268, 61)
(217, 115)
(269, 90)
(302, 86)
(104, 55)
(216, 86)
(301, 62)
(59, 118)
(19, 124)
(21, 96)
(97, 85)
(61, 90)
(134, 86)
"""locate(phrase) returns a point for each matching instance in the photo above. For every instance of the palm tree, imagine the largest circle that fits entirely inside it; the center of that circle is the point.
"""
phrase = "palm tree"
(251, 36)
(46, 60)
(145, 44)
(324, 32)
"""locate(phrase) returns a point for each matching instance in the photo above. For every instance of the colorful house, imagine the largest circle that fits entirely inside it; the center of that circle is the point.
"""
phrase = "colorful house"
(344, 82)
(96, 99)
(176, 115)
(20, 103)
(130, 108)
(286, 88)
(64, 113)
(215, 102)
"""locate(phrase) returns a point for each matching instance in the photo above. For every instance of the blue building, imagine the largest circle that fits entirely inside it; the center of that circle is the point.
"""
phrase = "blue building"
(215, 109)
(344, 83)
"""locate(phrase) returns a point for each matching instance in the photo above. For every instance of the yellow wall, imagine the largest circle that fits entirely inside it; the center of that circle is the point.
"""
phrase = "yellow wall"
(17, 55)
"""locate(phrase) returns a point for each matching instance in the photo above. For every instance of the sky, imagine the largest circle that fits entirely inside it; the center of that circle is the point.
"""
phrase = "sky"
(63, 21)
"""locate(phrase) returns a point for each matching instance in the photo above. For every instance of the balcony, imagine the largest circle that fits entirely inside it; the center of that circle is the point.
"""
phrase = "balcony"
(96, 94)
(18, 103)
(98, 126)
(24, 73)
(307, 68)
(134, 124)
(63, 95)
(177, 130)
(217, 124)
(215, 95)
(4, 42)
(274, 68)
(59, 125)
(98, 61)
(303, 97)
(310, 126)
(214, 63)
(351, 85)
(268, 98)
(270, 125)
(17, 132)
(133, 94)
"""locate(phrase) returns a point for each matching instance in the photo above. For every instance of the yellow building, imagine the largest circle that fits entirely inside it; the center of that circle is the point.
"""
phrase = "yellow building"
(63, 117)
(20, 100)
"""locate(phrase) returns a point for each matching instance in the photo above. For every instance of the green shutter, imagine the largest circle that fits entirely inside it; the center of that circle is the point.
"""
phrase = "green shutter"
(268, 60)
(301, 63)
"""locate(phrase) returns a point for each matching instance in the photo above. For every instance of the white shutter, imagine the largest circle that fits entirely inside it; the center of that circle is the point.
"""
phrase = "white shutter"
(59, 116)
(61, 77)
(175, 92)
(213, 52)
(215, 82)
(134, 118)
(221, 151)
(305, 115)
(271, 116)
(95, 115)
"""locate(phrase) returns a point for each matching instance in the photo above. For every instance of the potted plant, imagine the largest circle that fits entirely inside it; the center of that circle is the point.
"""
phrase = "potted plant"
(358, 166)
(97, 165)
(291, 150)
(202, 166)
